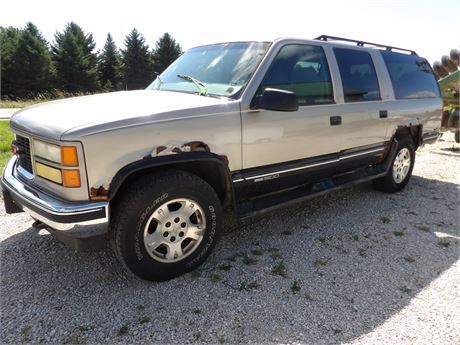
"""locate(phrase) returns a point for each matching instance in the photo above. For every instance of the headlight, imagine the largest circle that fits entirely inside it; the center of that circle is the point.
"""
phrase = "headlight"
(47, 151)
(65, 156)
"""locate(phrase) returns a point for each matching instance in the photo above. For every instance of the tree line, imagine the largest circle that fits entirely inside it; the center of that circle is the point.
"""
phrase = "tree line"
(30, 65)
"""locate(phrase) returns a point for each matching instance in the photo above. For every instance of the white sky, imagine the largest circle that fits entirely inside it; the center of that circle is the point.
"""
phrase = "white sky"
(430, 27)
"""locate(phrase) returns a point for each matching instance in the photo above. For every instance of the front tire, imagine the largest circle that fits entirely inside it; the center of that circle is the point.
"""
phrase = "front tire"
(400, 168)
(165, 225)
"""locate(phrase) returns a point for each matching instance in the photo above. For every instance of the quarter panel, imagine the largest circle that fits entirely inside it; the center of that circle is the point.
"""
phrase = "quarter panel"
(405, 112)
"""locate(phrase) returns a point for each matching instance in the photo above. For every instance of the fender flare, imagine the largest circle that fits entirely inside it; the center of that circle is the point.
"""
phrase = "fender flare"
(174, 160)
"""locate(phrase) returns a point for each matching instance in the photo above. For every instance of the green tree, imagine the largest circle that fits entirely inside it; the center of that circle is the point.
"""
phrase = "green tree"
(75, 61)
(32, 67)
(109, 65)
(166, 51)
(9, 39)
(137, 62)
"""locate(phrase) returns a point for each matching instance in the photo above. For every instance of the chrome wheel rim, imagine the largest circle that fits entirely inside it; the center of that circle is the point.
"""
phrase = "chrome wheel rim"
(174, 230)
(401, 165)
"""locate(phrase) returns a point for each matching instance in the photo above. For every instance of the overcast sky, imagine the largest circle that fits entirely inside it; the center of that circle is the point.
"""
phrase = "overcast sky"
(432, 28)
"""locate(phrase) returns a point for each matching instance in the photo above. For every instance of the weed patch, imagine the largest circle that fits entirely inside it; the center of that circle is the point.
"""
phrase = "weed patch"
(279, 269)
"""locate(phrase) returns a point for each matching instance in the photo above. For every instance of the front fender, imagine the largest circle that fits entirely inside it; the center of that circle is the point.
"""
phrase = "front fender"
(209, 166)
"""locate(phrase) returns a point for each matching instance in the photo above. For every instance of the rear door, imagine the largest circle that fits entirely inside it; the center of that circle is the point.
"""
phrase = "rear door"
(363, 111)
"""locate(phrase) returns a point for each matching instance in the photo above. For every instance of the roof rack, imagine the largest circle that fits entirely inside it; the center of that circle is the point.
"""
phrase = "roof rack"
(362, 43)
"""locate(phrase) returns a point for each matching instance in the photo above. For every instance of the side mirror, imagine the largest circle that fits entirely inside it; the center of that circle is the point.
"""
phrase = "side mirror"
(279, 100)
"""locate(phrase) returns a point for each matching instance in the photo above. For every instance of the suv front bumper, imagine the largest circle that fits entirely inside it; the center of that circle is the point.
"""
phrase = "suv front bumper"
(76, 219)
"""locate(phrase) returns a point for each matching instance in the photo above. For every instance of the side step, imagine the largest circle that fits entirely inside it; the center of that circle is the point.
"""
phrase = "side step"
(266, 203)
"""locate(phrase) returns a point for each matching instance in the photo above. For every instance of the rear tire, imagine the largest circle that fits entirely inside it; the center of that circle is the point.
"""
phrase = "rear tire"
(400, 167)
(165, 225)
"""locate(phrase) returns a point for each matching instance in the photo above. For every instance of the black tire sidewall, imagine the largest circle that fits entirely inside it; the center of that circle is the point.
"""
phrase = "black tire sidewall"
(404, 142)
(131, 243)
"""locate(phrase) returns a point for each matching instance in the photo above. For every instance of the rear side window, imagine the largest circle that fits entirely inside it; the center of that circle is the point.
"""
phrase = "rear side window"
(302, 69)
(411, 76)
(357, 72)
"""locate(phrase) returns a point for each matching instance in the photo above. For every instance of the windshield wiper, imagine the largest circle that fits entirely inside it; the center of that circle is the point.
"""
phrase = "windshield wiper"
(202, 88)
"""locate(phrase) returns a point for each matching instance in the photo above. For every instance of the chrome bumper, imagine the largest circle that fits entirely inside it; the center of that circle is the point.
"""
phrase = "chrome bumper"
(77, 219)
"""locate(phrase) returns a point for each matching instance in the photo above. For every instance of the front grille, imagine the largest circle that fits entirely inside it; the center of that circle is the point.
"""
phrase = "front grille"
(25, 160)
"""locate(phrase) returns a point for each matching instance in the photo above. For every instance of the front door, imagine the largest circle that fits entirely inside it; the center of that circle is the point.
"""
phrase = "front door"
(279, 148)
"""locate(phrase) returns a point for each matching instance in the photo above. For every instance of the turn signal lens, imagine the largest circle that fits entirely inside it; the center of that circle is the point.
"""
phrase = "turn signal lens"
(71, 178)
(69, 156)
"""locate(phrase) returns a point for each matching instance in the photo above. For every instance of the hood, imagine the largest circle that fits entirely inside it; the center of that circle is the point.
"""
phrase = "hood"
(104, 111)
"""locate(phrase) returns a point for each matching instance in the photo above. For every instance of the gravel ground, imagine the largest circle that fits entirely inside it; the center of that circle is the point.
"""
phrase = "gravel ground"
(355, 266)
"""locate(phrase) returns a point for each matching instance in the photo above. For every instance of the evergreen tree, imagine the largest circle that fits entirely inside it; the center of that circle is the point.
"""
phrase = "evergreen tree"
(109, 65)
(9, 39)
(32, 68)
(166, 51)
(137, 64)
(75, 61)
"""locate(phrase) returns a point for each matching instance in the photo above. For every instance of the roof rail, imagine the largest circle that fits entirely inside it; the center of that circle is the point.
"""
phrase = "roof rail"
(362, 43)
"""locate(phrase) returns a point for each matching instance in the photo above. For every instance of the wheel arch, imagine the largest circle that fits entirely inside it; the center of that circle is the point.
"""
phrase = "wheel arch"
(412, 128)
(208, 166)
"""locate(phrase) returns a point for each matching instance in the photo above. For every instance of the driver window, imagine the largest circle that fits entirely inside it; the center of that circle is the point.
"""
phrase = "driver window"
(302, 69)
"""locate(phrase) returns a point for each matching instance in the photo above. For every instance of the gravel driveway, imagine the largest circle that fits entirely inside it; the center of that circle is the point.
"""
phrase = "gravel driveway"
(354, 266)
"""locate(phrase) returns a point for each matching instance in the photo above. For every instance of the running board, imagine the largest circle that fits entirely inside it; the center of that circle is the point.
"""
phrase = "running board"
(267, 203)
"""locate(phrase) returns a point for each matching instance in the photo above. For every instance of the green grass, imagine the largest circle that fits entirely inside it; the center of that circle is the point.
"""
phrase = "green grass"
(405, 289)
(398, 233)
(8, 103)
(225, 267)
(197, 335)
(423, 228)
(295, 287)
(5, 143)
(257, 252)
(385, 220)
(26, 330)
(247, 260)
(308, 297)
(409, 259)
(279, 269)
(195, 274)
(321, 262)
(214, 278)
(274, 253)
(144, 319)
(248, 286)
(444, 243)
(123, 330)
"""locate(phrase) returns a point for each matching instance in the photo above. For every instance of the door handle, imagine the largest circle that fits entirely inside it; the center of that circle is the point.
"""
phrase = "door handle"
(336, 120)
(383, 114)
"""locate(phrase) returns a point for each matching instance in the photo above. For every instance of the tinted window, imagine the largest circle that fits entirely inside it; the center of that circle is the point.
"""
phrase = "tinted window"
(411, 76)
(302, 69)
(357, 71)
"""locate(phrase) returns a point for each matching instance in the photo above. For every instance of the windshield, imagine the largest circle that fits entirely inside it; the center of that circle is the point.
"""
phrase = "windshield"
(223, 69)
